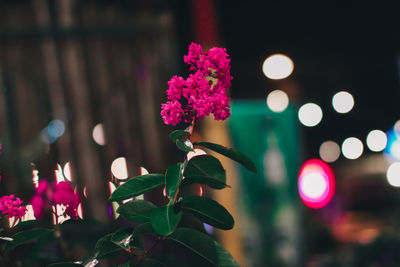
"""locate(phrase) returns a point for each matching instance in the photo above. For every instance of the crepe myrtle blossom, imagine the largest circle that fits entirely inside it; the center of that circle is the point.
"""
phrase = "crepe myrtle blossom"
(60, 193)
(12, 207)
(204, 91)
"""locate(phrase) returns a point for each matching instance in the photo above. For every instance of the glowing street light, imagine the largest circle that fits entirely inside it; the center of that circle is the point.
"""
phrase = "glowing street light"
(352, 148)
(278, 66)
(376, 140)
(277, 101)
(310, 114)
(343, 102)
(329, 151)
(316, 183)
(393, 174)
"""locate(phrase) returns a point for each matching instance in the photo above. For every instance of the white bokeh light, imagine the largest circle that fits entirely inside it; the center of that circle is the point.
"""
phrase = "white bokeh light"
(329, 151)
(313, 185)
(393, 174)
(112, 187)
(119, 168)
(67, 171)
(277, 66)
(143, 171)
(59, 174)
(310, 114)
(195, 152)
(352, 148)
(343, 102)
(376, 140)
(395, 150)
(277, 101)
(98, 134)
(396, 126)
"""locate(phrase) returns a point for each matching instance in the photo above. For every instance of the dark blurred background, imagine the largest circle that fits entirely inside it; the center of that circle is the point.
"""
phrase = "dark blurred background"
(68, 66)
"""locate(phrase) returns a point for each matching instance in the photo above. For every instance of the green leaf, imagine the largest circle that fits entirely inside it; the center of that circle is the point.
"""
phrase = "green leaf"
(143, 229)
(151, 263)
(90, 262)
(28, 223)
(205, 169)
(64, 264)
(137, 243)
(137, 186)
(165, 260)
(136, 210)
(173, 176)
(209, 211)
(122, 237)
(230, 153)
(181, 138)
(204, 246)
(125, 239)
(105, 247)
(164, 219)
(39, 249)
(27, 236)
(185, 145)
(179, 134)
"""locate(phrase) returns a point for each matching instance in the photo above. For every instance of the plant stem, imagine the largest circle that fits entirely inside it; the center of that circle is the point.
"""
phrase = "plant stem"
(192, 128)
(61, 241)
(15, 223)
(190, 136)
(58, 234)
(146, 253)
(176, 196)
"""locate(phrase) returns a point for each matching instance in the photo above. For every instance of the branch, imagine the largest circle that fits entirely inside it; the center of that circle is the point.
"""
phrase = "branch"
(61, 242)
(146, 253)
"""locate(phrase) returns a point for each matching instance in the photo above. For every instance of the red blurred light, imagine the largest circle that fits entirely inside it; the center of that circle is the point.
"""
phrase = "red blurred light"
(316, 183)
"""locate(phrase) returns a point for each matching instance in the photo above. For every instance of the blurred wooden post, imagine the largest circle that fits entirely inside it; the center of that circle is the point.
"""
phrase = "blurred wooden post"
(216, 132)
(148, 109)
(128, 134)
(86, 160)
(53, 79)
(3, 120)
(105, 94)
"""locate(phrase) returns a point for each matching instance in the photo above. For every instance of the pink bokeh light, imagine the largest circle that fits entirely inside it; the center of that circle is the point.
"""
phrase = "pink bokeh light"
(316, 183)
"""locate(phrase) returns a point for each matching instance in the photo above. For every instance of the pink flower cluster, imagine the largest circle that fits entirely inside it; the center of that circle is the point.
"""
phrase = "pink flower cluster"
(198, 96)
(12, 207)
(61, 193)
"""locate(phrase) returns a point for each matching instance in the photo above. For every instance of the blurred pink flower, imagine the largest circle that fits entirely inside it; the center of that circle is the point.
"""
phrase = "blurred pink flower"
(64, 194)
(42, 187)
(72, 207)
(59, 194)
(38, 205)
(11, 207)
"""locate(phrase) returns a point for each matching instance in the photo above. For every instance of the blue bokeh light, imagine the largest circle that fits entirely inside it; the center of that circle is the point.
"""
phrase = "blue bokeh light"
(393, 145)
(56, 128)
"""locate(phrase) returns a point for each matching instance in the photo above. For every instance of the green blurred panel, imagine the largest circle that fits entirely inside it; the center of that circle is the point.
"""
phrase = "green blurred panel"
(271, 223)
